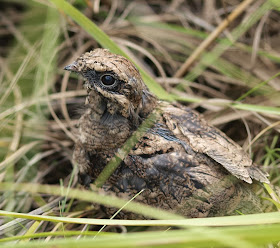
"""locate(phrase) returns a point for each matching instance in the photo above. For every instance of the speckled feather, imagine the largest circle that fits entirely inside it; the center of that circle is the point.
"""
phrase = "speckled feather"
(183, 164)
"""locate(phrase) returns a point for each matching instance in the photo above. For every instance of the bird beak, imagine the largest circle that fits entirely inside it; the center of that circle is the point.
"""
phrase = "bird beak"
(72, 67)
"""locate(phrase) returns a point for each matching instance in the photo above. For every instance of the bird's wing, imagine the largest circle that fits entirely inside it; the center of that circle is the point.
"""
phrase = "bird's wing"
(189, 126)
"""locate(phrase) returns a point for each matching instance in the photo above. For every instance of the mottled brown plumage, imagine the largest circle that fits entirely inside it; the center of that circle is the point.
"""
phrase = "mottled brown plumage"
(184, 164)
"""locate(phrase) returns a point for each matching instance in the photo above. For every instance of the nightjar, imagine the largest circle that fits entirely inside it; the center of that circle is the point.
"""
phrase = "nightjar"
(183, 164)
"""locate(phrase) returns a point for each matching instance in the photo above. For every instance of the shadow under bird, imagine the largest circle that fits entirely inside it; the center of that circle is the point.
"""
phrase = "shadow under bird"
(183, 164)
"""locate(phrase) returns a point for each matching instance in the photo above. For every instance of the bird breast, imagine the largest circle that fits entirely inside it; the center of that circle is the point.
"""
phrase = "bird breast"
(103, 132)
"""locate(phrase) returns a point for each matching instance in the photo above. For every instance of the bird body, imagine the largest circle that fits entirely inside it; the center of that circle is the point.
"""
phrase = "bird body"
(182, 163)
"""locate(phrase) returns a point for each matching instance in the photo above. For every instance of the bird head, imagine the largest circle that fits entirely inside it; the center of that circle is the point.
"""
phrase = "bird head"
(115, 79)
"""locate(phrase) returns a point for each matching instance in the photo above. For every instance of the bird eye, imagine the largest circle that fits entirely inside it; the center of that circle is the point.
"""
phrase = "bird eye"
(108, 80)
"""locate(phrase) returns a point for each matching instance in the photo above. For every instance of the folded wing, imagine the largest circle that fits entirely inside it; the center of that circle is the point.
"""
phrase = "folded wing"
(190, 127)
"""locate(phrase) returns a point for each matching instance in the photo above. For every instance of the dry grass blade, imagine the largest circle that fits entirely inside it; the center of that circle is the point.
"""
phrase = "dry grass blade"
(13, 158)
(31, 102)
(237, 11)
(16, 77)
(276, 124)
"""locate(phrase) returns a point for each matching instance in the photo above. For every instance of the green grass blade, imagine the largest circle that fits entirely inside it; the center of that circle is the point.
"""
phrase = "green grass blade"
(57, 233)
(245, 237)
(239, 220)
(257, 108)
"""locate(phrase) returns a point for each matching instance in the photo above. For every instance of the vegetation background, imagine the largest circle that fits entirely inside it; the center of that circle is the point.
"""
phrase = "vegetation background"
(221, 57)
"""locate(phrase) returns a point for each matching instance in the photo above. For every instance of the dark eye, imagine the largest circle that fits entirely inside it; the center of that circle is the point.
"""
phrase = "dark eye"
(108, 80)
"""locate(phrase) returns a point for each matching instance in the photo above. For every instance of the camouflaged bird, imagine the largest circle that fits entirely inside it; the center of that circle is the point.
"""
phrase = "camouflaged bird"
(183, 164)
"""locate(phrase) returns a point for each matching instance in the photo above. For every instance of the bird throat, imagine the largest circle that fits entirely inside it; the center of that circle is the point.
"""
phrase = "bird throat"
(106, 110)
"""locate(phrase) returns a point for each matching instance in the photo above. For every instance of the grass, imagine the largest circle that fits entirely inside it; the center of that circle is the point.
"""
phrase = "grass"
(234, 81)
